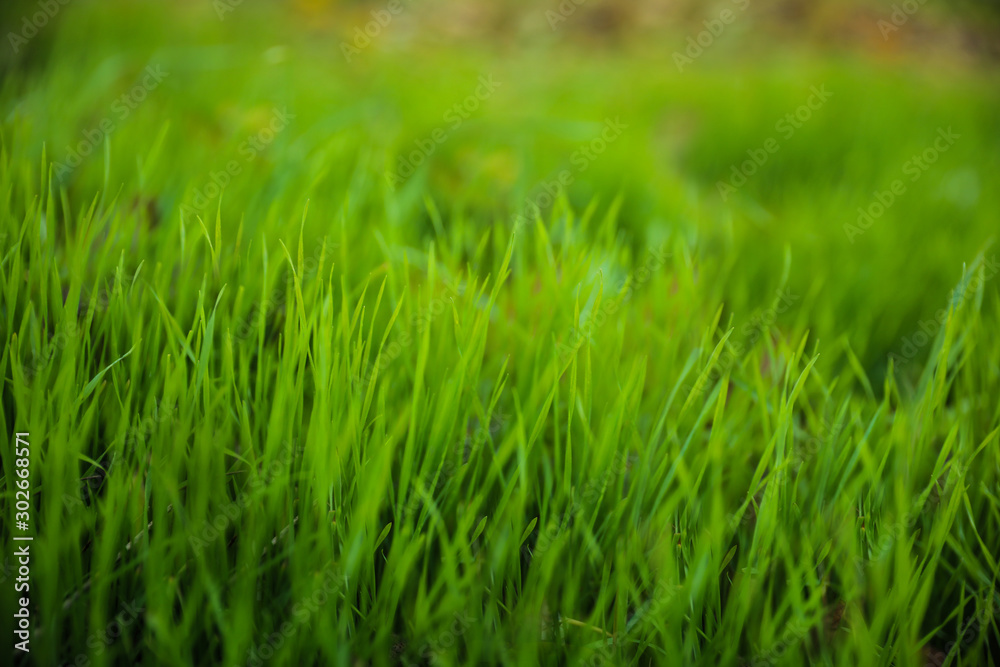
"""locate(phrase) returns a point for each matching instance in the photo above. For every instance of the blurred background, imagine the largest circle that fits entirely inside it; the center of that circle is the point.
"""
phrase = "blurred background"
(481, 105)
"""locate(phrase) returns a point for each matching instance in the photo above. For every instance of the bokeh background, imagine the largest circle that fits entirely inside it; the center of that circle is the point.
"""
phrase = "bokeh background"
(366, 89)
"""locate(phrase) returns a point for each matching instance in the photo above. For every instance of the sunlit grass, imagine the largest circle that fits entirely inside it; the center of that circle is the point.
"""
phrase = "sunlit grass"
(328, 417)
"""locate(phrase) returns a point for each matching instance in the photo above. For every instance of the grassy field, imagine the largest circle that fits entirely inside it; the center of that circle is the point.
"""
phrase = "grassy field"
(543, 352)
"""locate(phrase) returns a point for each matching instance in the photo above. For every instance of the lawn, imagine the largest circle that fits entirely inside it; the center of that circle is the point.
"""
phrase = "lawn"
(512, 351)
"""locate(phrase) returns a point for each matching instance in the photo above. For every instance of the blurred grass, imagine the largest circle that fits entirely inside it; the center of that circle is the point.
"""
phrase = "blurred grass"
(784, 481)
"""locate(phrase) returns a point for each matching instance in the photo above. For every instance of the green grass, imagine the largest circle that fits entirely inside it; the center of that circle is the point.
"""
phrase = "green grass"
(635, 425)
